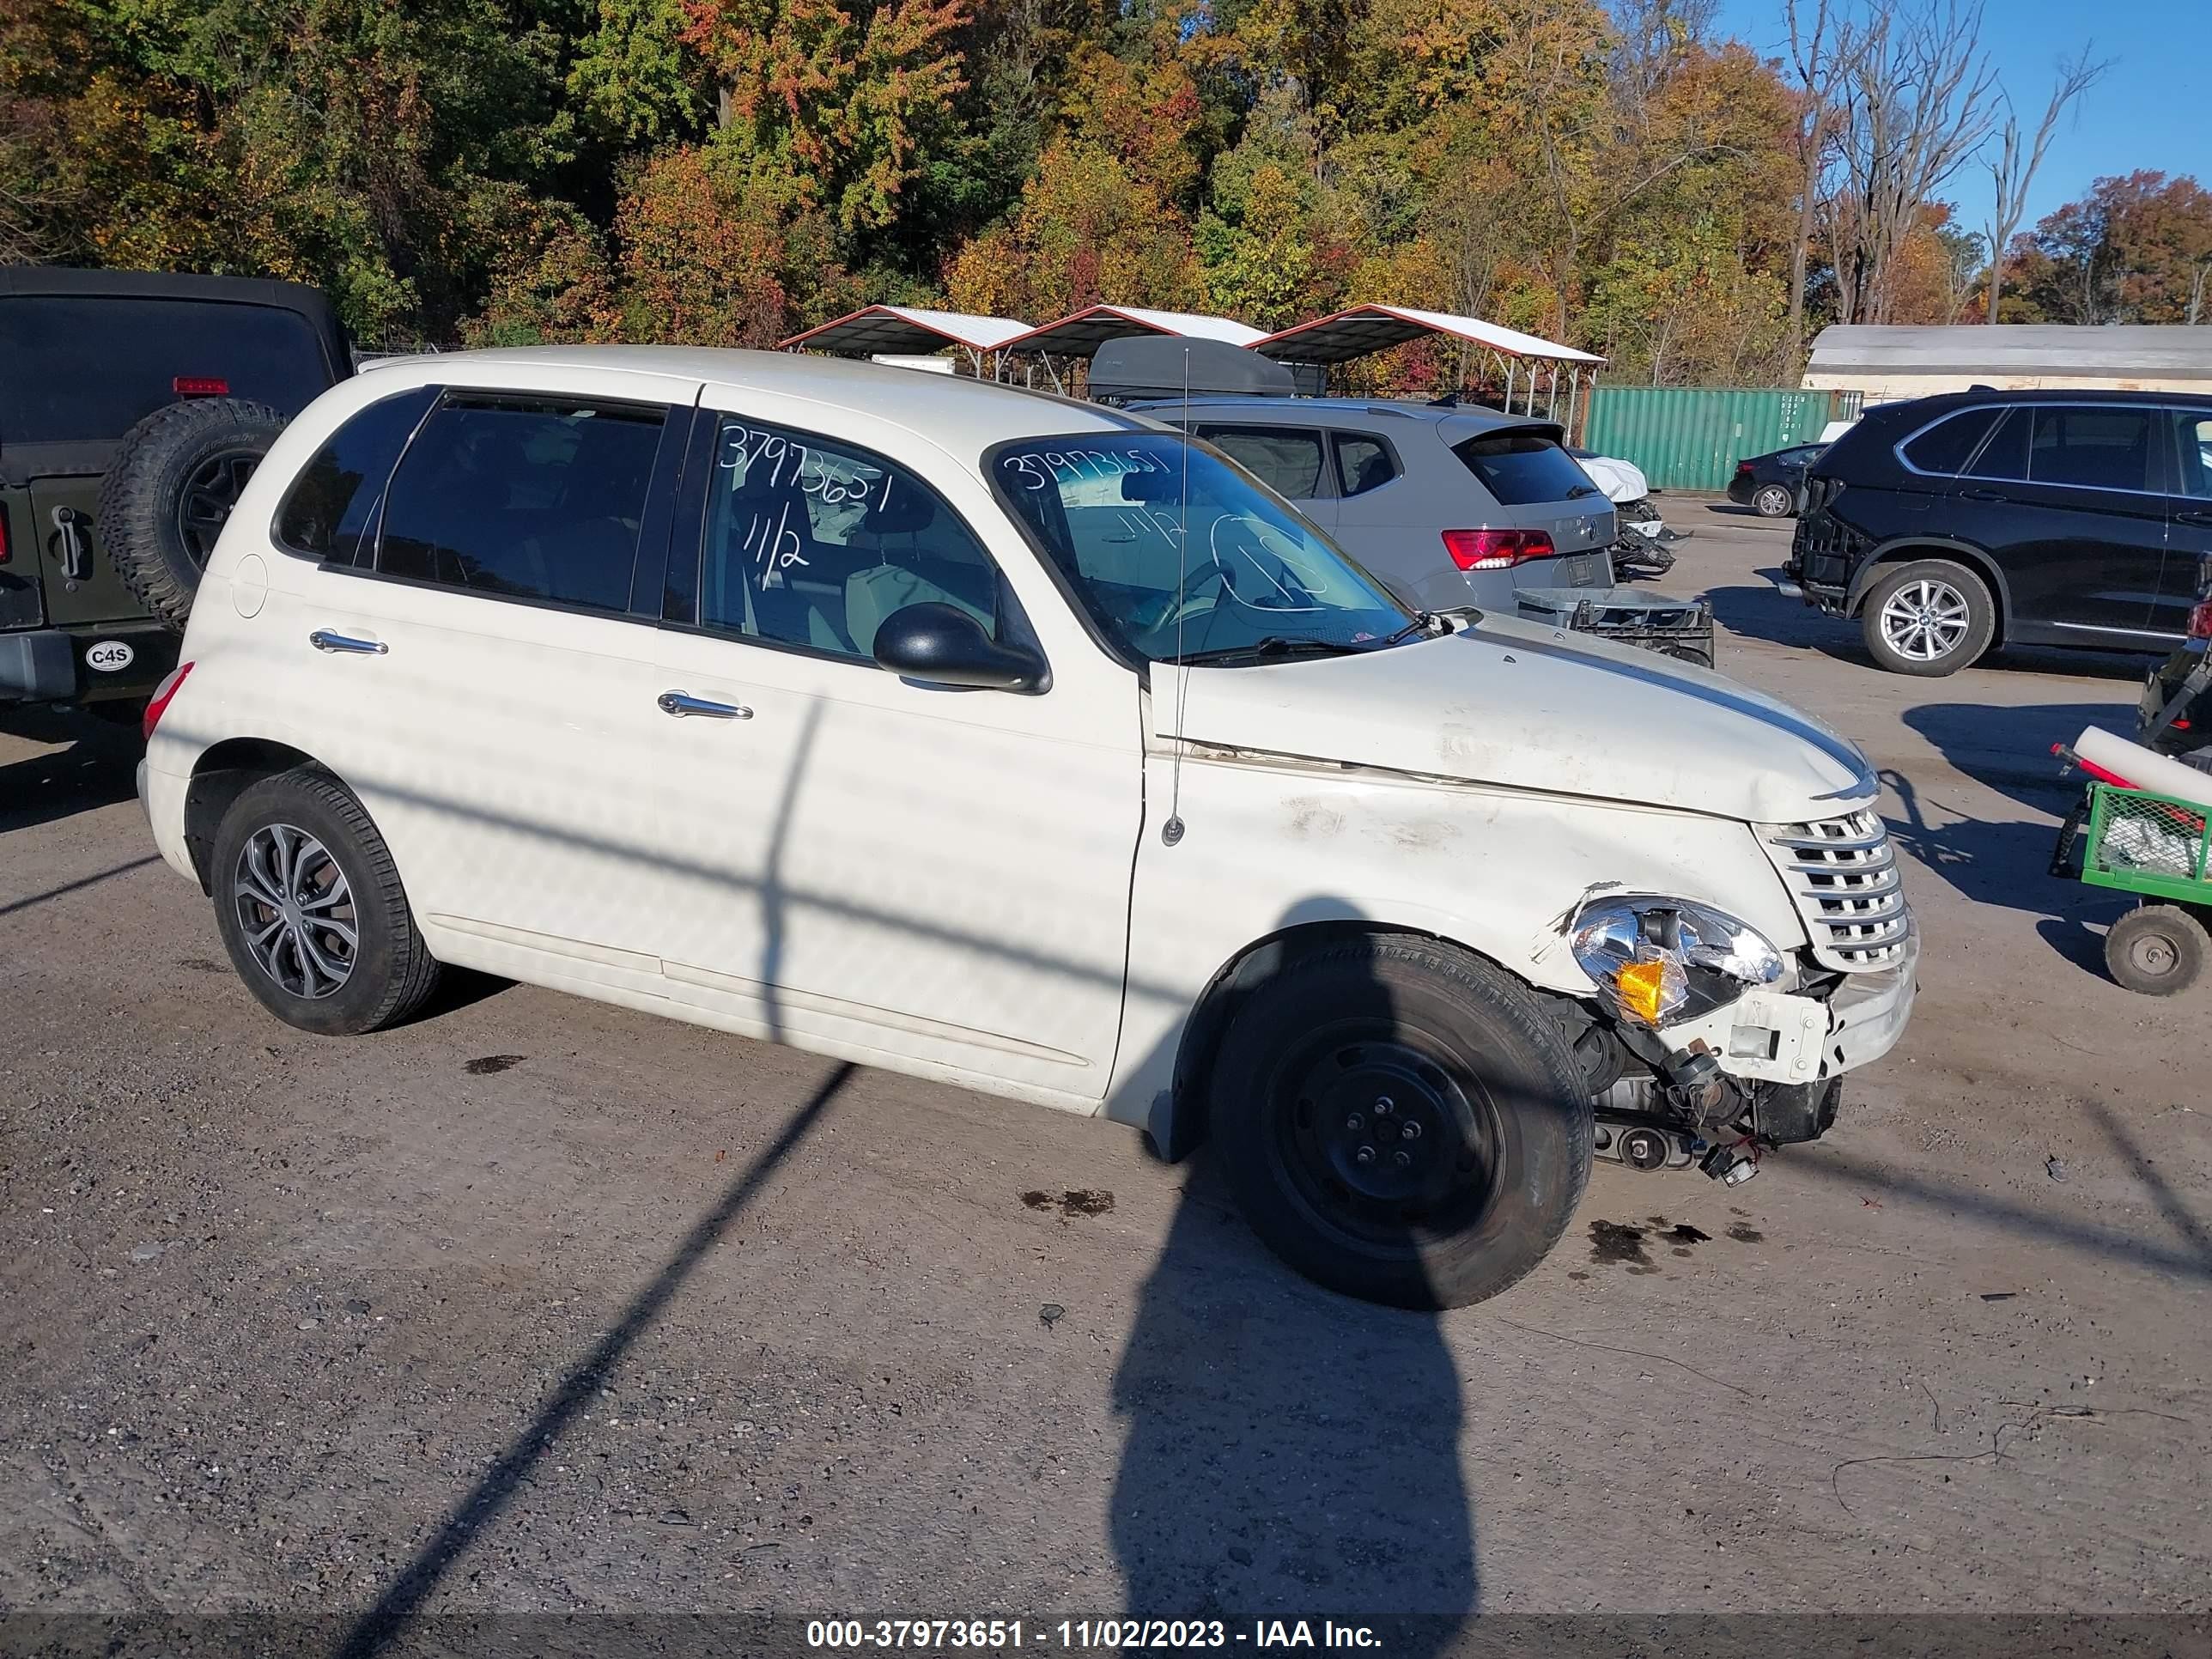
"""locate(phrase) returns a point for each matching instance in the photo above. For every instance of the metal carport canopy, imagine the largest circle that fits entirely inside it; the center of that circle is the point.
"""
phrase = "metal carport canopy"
(907, 329)
(1080, 333)
(1345, 335)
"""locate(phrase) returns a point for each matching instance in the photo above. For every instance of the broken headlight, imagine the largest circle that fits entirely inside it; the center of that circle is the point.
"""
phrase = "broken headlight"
(1661, 960)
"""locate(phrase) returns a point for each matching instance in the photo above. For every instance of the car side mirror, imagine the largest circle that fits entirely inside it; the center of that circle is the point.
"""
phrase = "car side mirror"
(942, 645)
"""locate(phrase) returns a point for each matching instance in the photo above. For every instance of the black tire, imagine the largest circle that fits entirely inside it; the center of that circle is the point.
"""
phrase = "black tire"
(2157, 949)
(174, 480)
(388, 972)
(1457, 1070)
(1961, 619)
(1774, 501)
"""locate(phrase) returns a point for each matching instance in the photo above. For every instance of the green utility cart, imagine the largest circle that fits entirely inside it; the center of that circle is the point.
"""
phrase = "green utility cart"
(2153, 845)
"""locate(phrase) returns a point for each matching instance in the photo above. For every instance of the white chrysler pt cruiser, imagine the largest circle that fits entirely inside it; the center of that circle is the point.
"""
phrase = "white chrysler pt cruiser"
(1024, 745)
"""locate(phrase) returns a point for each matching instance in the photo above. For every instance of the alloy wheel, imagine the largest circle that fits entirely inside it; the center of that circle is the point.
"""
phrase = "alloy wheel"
(1925, 620)
(296, 911)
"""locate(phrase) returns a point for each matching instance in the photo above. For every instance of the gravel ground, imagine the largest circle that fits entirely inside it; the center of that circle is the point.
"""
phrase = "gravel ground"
(540, 1305)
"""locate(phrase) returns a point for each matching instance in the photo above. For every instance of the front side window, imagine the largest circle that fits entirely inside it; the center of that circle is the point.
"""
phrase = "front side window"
(334, 502)
(2091, 448)
(813, 545)
(1363, 463)
(1522, 468)
(523, 497)
(1177, 557)
(1287, 459)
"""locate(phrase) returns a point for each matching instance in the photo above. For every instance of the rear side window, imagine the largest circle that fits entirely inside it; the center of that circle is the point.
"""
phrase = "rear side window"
(2003, 458)
(1363, 463)
(2193, 437)
(77, 367)
(333, 503)
(1945, 448)
(1519, 468)
(1287, 459)
(2093, 448)
(524, 498)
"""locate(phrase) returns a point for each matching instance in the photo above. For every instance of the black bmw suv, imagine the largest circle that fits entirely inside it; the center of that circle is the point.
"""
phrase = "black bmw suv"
(1948, 524)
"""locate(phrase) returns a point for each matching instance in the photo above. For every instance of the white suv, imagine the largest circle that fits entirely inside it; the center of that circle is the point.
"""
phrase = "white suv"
(1023, 743)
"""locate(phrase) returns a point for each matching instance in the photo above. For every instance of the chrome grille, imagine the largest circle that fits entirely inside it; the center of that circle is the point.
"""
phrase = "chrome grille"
(1843, 874)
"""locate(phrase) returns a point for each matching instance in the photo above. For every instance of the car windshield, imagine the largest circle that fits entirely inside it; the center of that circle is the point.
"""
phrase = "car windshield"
(1251, 581)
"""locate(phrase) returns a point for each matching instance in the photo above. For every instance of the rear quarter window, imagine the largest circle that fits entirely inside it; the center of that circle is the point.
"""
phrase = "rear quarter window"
(1520, 468)
(78, 367)
(333, 504)
(1945, 448)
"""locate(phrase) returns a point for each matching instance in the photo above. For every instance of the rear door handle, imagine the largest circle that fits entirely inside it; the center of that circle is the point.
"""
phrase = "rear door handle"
(2205, 519)
(680, 703)
(1984, 495)
(323, 639)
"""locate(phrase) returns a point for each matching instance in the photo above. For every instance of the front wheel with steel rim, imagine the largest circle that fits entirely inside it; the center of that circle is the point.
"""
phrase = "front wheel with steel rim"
(311, 908)
(1774, 502)
(1400, 1121)
(1928, 619)
(2157, 949)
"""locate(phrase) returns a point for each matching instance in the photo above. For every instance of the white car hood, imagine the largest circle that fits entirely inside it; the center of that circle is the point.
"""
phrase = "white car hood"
(1622, 481)
(1517, 705)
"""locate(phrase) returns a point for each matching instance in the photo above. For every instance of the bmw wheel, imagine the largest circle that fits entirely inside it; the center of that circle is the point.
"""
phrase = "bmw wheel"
(1928, 619)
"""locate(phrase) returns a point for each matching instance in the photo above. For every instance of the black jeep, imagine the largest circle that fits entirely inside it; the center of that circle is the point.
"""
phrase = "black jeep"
(133, 408)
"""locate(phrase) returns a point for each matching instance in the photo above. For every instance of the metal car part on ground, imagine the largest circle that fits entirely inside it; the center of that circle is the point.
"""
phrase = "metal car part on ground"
(596, 667)
(133, 408)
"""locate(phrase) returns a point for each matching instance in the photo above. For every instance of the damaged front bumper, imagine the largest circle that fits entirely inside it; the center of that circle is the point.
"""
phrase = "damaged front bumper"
(1765, 1071)
(1769, 1036)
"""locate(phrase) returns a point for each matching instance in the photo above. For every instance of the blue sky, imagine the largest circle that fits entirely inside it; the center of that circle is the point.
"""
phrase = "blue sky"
(2150, 110)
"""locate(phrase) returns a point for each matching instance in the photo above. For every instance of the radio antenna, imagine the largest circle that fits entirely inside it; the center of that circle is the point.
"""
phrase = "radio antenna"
(1171, 831)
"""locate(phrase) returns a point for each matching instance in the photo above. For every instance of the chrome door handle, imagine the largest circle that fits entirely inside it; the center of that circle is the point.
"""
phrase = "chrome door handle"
(323, 639)
(681, 703)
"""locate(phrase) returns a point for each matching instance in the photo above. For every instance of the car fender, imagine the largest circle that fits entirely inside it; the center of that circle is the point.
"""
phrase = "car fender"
(1263, 849)
(1896, 550)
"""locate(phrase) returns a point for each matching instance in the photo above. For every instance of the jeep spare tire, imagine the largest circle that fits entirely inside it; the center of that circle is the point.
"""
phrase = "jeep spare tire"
(174, 481)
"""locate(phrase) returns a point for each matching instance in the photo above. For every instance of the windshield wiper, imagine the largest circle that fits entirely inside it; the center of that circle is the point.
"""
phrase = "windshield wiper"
(1273, 645)
(1422, 619)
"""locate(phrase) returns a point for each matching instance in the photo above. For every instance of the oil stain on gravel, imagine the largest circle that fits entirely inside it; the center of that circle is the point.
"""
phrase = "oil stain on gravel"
(1620, 1243)
(1071, 1204)
(1615, 1243)
(485, 1065)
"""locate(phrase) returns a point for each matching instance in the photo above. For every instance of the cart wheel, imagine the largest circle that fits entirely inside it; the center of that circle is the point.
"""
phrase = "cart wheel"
(2157, 949)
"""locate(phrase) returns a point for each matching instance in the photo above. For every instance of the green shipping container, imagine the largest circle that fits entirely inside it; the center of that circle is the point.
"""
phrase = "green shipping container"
(1692, 437)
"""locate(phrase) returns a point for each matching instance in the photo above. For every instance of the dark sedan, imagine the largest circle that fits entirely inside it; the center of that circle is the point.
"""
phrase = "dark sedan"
(1773, 486)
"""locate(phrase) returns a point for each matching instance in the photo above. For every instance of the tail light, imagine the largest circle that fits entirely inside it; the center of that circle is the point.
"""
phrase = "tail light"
(2200, 622)
(200, 385)
(171, 683)
(1743, 469)
(1495, 550)
(5, 554)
